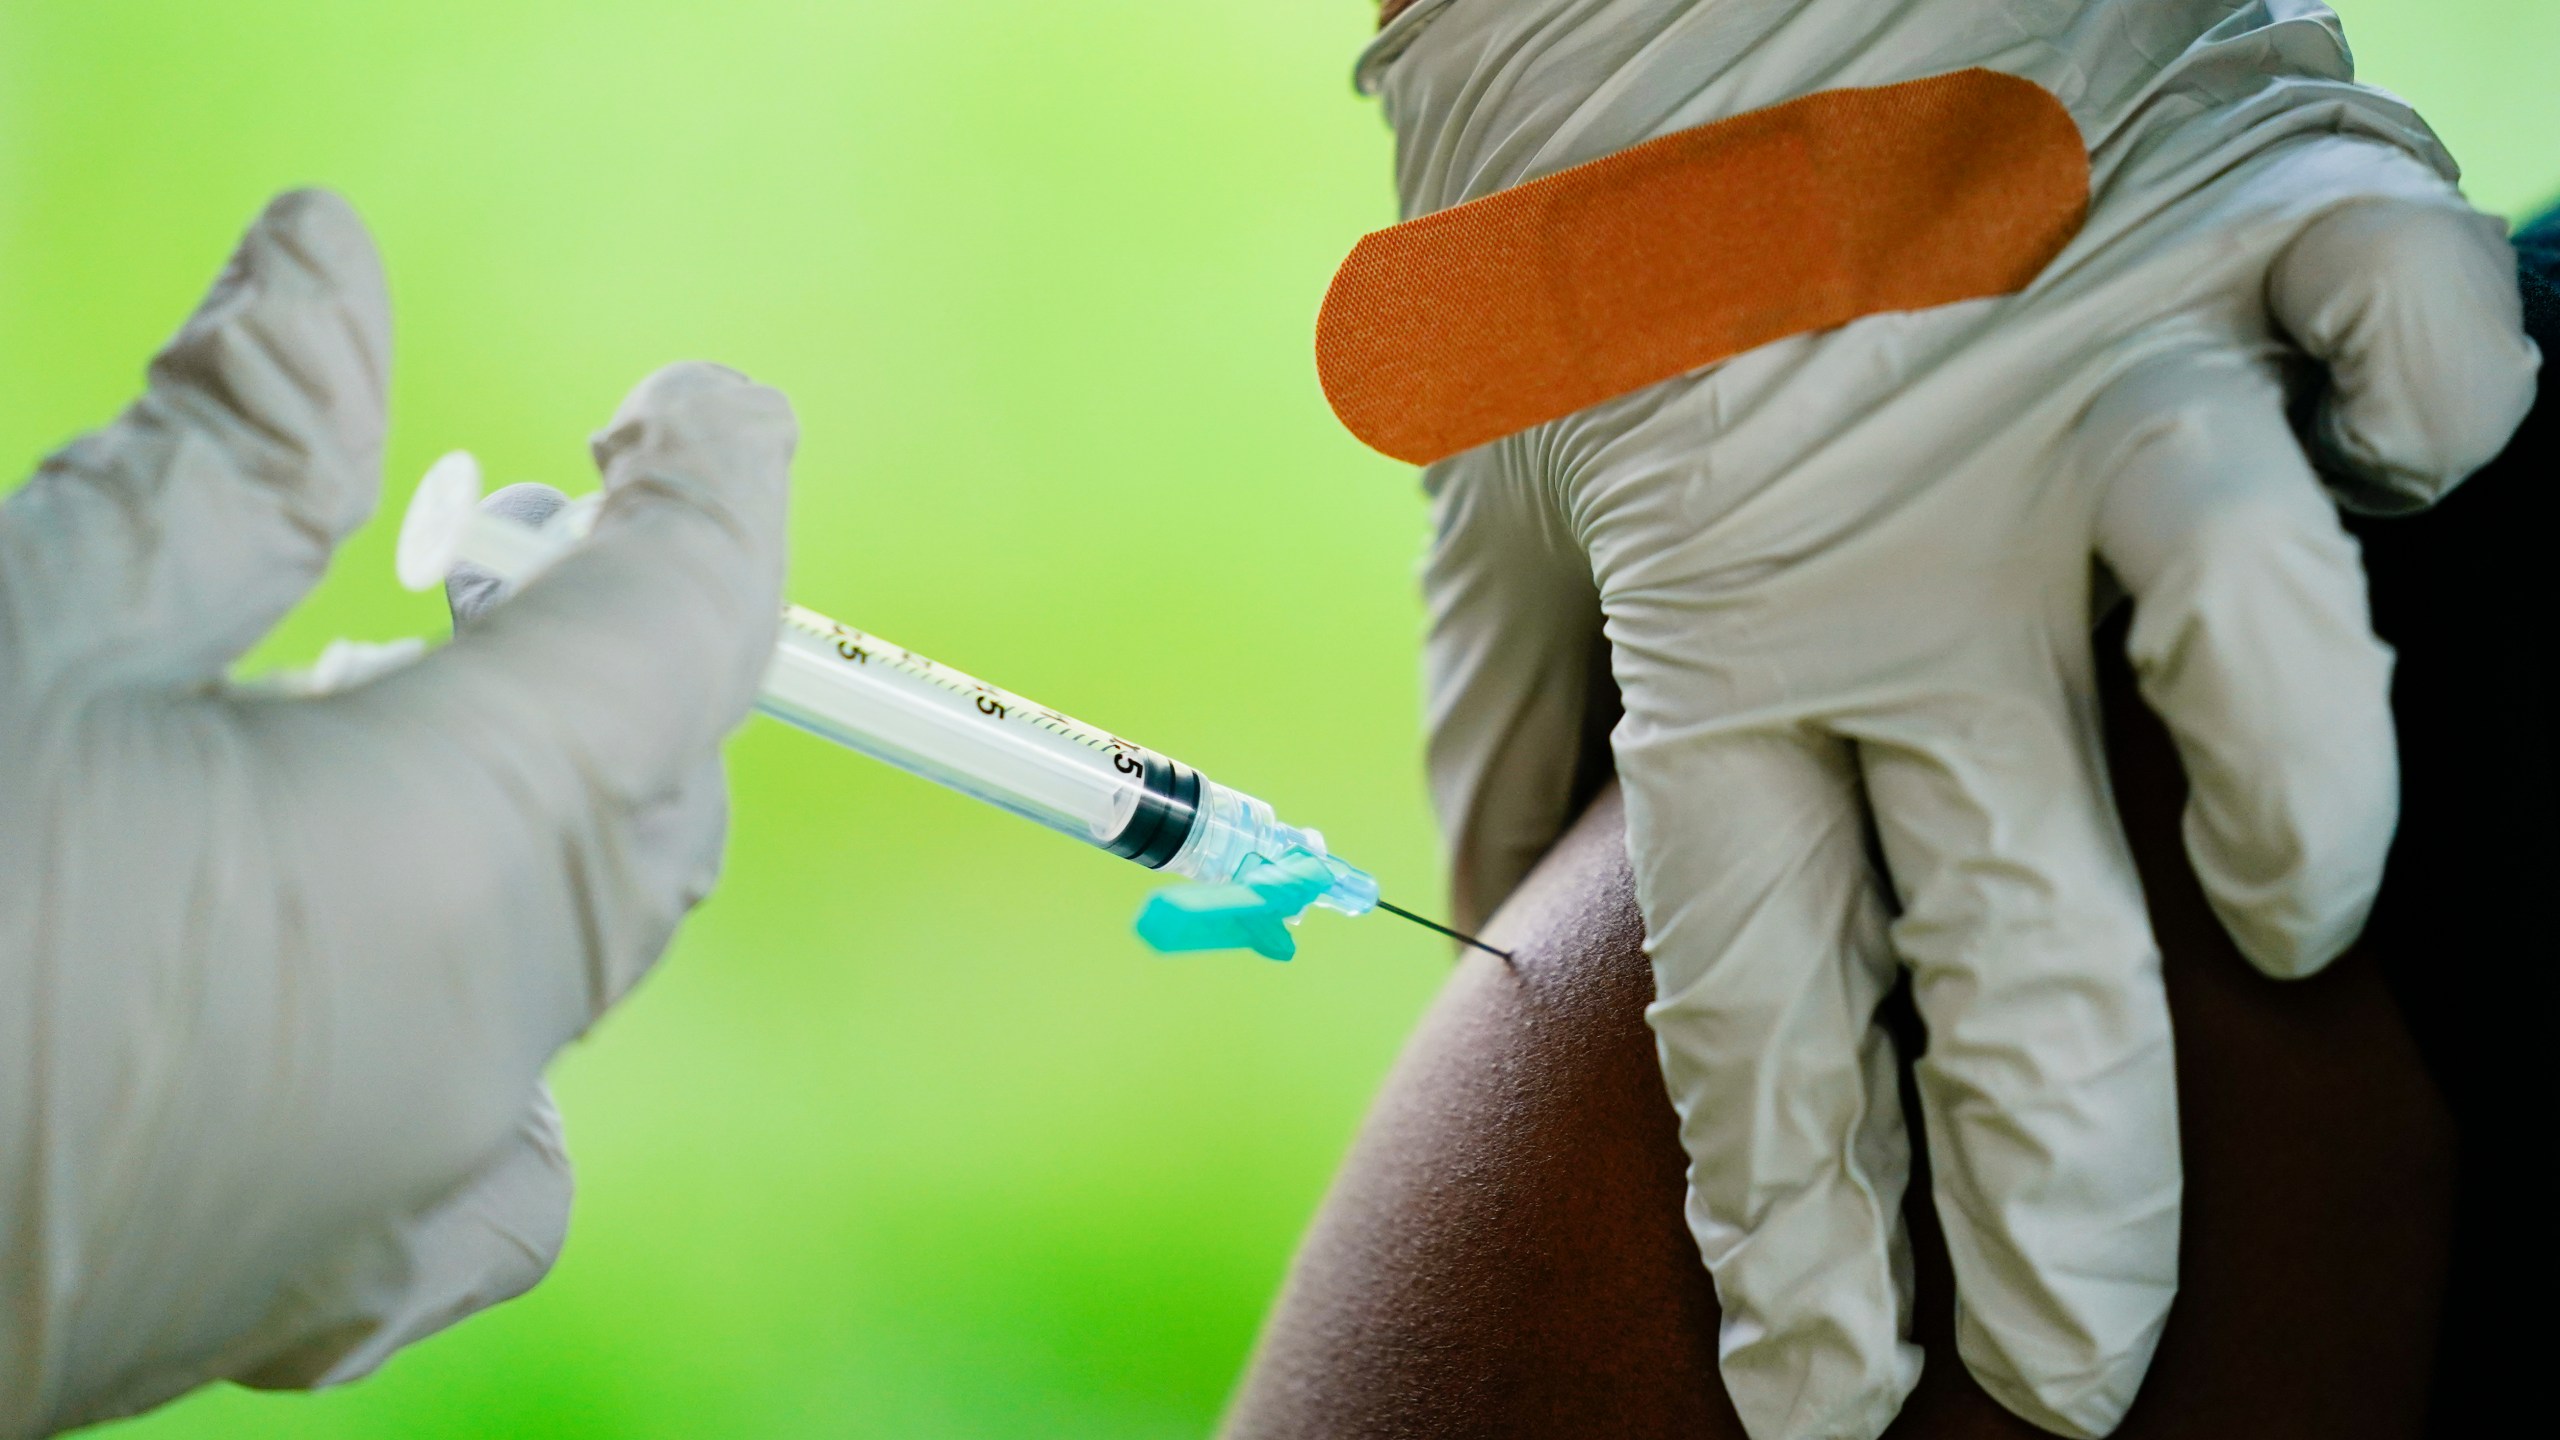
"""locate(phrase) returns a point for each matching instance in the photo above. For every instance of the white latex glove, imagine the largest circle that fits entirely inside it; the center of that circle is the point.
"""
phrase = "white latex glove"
(1844, 584)
(281, 974)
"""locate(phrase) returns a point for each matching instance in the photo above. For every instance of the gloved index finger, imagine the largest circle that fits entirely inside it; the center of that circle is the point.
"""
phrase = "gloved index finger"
(168, 542)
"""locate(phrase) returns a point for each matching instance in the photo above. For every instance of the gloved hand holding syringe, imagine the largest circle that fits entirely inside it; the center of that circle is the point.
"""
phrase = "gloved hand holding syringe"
(892, 704)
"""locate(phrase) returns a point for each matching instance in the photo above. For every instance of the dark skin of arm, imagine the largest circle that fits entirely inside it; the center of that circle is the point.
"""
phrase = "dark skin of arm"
(1504, 1254)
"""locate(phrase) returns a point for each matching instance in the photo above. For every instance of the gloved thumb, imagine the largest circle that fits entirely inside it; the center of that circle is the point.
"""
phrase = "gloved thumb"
(572, 732)
(678, 838)
(633, 656)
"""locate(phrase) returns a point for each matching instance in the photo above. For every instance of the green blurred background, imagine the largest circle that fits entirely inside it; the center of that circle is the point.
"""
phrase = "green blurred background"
(909, 1137)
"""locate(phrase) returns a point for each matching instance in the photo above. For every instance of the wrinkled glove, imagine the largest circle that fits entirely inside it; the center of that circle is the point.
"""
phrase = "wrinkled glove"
(282, 973)
(1844, 585)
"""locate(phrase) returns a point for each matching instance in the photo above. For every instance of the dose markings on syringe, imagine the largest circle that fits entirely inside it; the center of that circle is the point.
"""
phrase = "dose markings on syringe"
(863, 648)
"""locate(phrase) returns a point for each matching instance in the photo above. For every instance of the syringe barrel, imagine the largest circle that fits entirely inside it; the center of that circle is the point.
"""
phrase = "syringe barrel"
(890, 703)
(894, 705)
(926, 718)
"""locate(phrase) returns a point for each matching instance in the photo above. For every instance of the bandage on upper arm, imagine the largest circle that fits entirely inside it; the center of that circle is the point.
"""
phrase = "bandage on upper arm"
(1486, 318)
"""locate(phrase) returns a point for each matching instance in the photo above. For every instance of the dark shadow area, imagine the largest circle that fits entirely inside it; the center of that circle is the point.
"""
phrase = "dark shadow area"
(2463, 929)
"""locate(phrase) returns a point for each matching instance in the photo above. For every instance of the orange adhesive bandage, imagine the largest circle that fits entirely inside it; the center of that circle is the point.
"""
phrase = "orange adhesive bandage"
(1486, 318)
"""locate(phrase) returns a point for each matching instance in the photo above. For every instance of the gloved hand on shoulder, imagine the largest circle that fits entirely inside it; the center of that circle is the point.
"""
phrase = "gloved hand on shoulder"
(1844, 581)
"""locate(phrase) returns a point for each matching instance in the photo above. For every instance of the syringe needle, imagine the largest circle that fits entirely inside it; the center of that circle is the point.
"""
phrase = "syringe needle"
(1503, 955)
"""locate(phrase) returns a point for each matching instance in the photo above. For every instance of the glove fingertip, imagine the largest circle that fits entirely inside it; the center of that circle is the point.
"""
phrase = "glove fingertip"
(322, 227)
(692, 403)
(710, 450)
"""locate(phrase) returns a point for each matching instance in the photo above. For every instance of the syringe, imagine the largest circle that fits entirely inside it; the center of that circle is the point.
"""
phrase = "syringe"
(926, 718)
